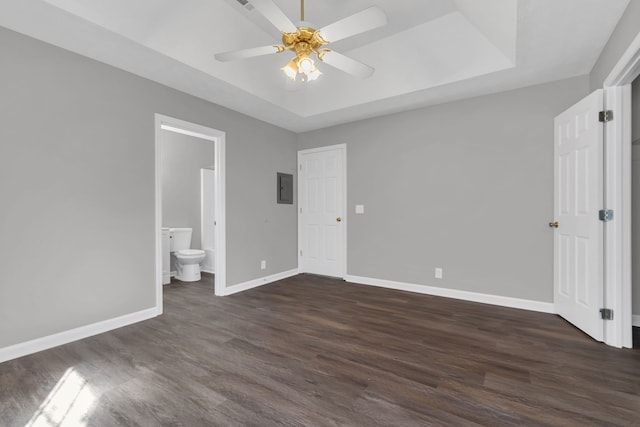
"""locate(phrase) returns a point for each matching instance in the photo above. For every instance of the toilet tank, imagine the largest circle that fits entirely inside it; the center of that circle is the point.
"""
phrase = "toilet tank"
(180, 238)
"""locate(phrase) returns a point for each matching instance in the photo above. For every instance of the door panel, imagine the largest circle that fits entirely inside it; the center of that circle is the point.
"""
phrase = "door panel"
(578, 259)
(322, 211)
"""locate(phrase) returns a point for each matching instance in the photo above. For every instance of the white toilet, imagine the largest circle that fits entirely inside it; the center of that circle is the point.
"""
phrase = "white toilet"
(187, 260)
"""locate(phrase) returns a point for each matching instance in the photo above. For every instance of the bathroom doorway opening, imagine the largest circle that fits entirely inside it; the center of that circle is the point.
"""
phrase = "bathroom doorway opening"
(212, 228)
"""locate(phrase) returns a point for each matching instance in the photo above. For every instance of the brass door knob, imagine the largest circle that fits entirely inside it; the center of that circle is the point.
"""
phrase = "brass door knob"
(554, 224)
(339, 219)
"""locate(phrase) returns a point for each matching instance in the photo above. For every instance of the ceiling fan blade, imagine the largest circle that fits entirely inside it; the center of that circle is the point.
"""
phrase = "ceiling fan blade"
(361, 22)
(348, 65)
(275, 15)
(247, 53)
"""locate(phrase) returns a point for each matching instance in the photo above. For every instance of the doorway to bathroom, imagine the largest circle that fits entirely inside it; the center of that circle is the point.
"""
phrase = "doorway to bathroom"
(189, 194)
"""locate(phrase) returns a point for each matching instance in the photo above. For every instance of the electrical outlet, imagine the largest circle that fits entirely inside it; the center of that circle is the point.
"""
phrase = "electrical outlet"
(438, 273)
(263, 264)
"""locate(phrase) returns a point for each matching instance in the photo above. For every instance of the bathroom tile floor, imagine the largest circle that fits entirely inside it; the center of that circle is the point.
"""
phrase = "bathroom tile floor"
(313, 351)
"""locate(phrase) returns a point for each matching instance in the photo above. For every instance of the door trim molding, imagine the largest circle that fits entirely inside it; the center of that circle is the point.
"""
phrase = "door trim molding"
(345, 222)
(617, 85)
(218, 137)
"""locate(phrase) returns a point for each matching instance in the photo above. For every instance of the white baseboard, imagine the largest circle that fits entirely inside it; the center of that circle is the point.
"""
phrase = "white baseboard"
(259, 282)
(636, 320)
(50, 341)
(207, 270)
(544, 307)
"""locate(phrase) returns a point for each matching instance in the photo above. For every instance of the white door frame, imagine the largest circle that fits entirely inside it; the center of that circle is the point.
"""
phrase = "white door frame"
(617, 238)
(203, 220)
(345, 220)
(218, 137)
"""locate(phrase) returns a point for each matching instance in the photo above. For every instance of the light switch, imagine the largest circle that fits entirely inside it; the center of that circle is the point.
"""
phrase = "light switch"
(359, 209)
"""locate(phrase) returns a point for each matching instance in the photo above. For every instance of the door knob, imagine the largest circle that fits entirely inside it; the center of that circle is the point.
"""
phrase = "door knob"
(339, 219)
(554, 224)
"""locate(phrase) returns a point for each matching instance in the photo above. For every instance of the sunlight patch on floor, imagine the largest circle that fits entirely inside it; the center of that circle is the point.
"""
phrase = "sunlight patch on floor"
(68, 404)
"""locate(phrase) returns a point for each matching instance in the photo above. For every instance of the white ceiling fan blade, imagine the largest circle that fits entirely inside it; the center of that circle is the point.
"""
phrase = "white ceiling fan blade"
(348, 65)
(275, 15)
(361, 22)
(246, 53)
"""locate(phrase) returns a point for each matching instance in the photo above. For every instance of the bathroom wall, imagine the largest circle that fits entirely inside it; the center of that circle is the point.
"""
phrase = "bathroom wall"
(465, 186)
(77, 189)
(635, 208)
(182, 158)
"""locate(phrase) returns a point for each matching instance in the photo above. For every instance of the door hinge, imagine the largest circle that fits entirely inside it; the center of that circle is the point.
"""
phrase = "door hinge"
(605, 116)
(301, 167)
(606, 314)
(605, 215)
(300, 252)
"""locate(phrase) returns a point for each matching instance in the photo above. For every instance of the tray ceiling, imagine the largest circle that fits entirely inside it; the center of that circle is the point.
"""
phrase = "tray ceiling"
(431, 51)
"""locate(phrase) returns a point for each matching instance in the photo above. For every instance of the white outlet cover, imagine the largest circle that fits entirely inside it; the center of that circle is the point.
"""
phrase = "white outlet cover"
(359, 209)
(438, 273)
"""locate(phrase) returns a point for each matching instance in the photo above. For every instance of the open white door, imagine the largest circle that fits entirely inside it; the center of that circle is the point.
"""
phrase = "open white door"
(578, 240)
(322, 215)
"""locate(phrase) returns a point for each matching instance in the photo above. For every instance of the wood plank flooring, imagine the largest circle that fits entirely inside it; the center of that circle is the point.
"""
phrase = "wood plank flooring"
(312, 351)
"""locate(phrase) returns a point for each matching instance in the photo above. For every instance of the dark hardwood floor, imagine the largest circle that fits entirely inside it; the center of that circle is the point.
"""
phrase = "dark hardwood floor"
(317, 351)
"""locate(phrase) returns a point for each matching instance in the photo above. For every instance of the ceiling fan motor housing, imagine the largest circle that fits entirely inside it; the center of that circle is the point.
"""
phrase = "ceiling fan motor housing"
(304, 41)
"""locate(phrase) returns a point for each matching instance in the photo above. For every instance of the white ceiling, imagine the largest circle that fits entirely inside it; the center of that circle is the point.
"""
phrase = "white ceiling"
(431, 51)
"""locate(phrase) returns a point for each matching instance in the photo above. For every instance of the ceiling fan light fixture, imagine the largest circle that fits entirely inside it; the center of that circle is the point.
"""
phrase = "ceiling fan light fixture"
(291, 69)
(302, 64)
(313, 75)
(306, 64)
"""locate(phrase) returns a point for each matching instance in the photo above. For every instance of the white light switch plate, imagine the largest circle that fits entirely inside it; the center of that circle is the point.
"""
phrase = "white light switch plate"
(359, 209)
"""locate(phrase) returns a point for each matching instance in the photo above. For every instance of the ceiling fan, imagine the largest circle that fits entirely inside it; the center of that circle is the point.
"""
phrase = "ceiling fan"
(306, 41)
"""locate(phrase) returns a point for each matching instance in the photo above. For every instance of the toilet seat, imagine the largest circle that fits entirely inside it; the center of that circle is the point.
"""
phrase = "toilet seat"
(190, 252)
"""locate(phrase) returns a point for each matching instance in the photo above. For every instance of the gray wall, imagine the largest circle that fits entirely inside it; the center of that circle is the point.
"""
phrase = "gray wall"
(635, 198)
(466, 186)
(182, 158)
(77, 189)
(624, 33)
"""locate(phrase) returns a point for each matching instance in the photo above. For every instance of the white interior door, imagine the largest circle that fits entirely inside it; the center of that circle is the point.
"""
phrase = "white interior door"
(578, 240)
(322, 219)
